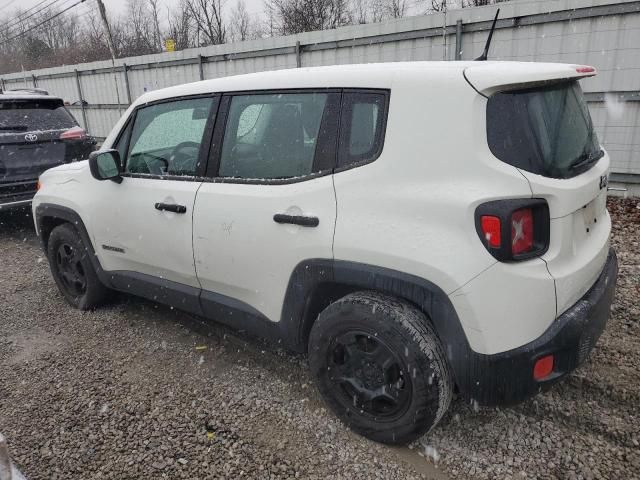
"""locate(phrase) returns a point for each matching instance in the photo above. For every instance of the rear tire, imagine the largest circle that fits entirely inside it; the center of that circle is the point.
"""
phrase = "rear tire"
(380, 367)
(72, 269)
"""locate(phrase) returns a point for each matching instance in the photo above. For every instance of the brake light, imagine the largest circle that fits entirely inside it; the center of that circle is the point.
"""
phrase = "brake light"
(514, 229)
(521, 231)
(585, 69)
(75, 133)
(491, 230)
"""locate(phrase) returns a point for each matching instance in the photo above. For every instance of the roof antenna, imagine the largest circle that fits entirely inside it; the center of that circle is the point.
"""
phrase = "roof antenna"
(483, 57)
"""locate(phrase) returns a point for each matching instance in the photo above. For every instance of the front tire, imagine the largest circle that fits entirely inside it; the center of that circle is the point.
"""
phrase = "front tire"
(380, 367)
(72, 269)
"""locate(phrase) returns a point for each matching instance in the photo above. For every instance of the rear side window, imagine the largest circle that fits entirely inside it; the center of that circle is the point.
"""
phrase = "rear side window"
(547, 131)
(362, 123)
(34, 115)
(272, 136)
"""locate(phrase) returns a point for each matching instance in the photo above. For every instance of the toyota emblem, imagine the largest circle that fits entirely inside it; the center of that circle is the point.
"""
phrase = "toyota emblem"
(31, 137)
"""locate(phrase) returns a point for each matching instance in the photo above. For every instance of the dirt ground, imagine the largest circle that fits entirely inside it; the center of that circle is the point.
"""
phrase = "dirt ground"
(136, 390)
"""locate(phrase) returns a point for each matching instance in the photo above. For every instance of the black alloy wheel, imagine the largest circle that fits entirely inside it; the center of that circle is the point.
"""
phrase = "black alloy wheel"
(369, 375)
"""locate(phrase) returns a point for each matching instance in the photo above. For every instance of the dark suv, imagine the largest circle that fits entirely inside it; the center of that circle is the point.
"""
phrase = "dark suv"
(37, 132)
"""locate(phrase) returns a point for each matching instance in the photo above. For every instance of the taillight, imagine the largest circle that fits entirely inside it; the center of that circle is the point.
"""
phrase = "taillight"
(514, 229)
(491, 230)
(75, 133)
(521, 231)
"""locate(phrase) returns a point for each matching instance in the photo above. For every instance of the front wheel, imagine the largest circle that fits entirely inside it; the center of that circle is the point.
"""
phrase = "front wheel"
(72, 269)
(380, 367)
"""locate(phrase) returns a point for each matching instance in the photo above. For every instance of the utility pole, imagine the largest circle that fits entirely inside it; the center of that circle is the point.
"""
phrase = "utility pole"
(444, 29)
(105, 22)
(107, 30)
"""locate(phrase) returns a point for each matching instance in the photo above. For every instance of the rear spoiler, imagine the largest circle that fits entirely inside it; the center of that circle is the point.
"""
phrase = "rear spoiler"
(488, 78)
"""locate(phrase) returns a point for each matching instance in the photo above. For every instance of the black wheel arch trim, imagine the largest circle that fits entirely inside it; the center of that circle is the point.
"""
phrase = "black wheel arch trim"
(343, 277)
(48, 211)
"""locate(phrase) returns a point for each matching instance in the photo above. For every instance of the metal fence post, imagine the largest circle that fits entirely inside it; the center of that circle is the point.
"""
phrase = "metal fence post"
(459, 40)
(200, 67)
(125, 70)
(298, 55)
(84, 114)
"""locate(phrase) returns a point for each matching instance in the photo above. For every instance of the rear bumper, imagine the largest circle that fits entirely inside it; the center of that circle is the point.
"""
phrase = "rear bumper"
(17, 193)
(507, 378)
(17, 204)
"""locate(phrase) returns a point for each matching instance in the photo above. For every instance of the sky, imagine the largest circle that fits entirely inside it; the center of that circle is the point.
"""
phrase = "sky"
(254, 7)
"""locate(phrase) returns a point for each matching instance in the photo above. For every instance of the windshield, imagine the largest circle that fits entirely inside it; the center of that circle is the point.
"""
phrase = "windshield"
(547, 131)
(30, 115)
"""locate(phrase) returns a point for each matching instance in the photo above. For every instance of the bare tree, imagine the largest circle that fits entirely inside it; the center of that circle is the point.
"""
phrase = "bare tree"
(240, 23)
(181, 28)
(208, 18)
(153, 4)
(296, 16)
(139, 30)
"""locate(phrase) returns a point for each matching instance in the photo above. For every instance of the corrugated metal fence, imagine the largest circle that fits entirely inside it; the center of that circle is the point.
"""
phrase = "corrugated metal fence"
(601, 33)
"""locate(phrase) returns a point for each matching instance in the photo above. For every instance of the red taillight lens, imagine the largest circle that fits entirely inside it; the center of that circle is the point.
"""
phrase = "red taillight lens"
(75, 133)
(543, 367)
(513, 230)
(521, 231)
(491, 230)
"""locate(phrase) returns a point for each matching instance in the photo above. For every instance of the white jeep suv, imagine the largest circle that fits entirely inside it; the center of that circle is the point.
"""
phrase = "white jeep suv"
(417, 228)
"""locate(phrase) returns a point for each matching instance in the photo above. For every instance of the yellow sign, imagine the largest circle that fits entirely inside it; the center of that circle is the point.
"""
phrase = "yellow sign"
(170, 45)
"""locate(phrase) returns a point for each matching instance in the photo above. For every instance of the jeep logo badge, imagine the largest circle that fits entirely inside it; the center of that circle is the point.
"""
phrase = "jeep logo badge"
(604, 181)
(31, 137)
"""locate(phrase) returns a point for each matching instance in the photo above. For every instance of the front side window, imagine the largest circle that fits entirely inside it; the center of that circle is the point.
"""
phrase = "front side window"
(545, 130)
(166, 137)
(272, 136)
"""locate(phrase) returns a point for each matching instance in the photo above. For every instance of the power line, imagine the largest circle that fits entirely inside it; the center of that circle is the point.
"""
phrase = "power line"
(9, 3)
(21, 14)
(13, 22)
(43, 22)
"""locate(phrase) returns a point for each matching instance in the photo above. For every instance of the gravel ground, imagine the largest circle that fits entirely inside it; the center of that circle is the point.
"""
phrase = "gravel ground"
(137, 390)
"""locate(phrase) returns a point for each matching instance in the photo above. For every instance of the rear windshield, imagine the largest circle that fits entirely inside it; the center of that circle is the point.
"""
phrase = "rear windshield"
(547, 131)
(30, 115)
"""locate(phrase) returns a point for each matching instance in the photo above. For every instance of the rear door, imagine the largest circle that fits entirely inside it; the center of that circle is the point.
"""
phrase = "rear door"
(269, 203)
(547, 133)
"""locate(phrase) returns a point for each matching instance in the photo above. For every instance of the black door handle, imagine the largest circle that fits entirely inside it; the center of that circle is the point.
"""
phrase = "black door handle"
(171, 207)
(296, 220)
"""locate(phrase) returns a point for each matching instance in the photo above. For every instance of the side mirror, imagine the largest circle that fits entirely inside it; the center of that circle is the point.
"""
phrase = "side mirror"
(105, 165)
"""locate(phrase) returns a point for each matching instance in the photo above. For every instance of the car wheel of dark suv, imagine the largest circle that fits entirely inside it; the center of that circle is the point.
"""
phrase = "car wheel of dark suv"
(72, 269)
(379, 365)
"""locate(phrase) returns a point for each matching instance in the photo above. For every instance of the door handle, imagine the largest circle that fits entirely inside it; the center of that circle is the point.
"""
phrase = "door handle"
(171, 207)
(296, 220)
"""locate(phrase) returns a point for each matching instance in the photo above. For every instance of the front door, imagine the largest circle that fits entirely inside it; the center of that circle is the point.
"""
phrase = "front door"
(271, 202)
(144, 224)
